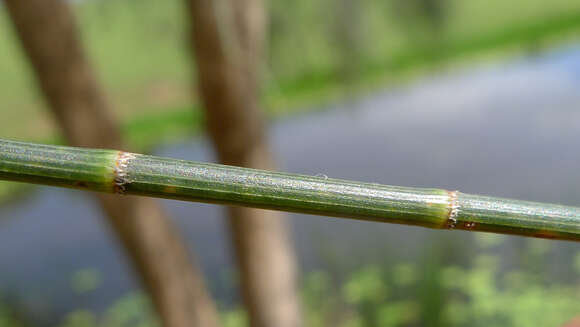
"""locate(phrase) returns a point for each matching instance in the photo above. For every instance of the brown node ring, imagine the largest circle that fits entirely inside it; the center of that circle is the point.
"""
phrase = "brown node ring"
(120, 174)
(453, 210)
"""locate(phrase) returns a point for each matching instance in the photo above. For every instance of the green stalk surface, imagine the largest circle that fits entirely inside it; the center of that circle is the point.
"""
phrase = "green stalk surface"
(119, 172)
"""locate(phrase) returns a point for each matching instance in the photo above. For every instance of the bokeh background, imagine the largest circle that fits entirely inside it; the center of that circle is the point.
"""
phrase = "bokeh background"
(479, 96)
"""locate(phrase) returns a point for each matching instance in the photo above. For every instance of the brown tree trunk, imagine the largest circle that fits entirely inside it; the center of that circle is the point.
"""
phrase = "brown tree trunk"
(49, 36)
(228, 39)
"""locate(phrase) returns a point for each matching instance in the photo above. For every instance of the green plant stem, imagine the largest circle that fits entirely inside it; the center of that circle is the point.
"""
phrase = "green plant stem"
(126, 173)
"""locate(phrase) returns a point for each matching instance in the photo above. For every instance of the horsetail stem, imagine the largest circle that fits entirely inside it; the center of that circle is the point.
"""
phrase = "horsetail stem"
(127, 173)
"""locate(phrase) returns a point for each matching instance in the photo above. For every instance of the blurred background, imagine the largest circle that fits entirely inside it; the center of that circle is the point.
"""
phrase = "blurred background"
(478, 96)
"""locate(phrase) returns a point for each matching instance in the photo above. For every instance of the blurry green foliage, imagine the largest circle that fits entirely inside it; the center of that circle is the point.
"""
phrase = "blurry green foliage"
(85, 280)
(235, 318)
(476, 296)
(8, 316)
(366, 287)
(132, 310)
(317, 50)
(479, 295)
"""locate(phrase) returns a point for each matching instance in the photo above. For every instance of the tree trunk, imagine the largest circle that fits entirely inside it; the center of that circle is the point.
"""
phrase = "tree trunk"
(49, 36)
(228, 39)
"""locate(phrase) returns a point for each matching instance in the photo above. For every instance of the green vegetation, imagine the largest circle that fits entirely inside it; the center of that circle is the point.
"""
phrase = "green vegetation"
(140, 53)
(104, 170)
(426, 293)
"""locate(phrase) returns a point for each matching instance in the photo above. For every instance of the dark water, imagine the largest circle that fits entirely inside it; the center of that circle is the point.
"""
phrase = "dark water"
(510, 130)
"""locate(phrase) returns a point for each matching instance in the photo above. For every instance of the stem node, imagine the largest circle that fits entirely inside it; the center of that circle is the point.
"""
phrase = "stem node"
(121, 171)
(451, 222)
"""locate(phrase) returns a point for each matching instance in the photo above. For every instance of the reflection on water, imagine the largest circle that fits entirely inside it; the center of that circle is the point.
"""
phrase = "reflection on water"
(507, 130)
